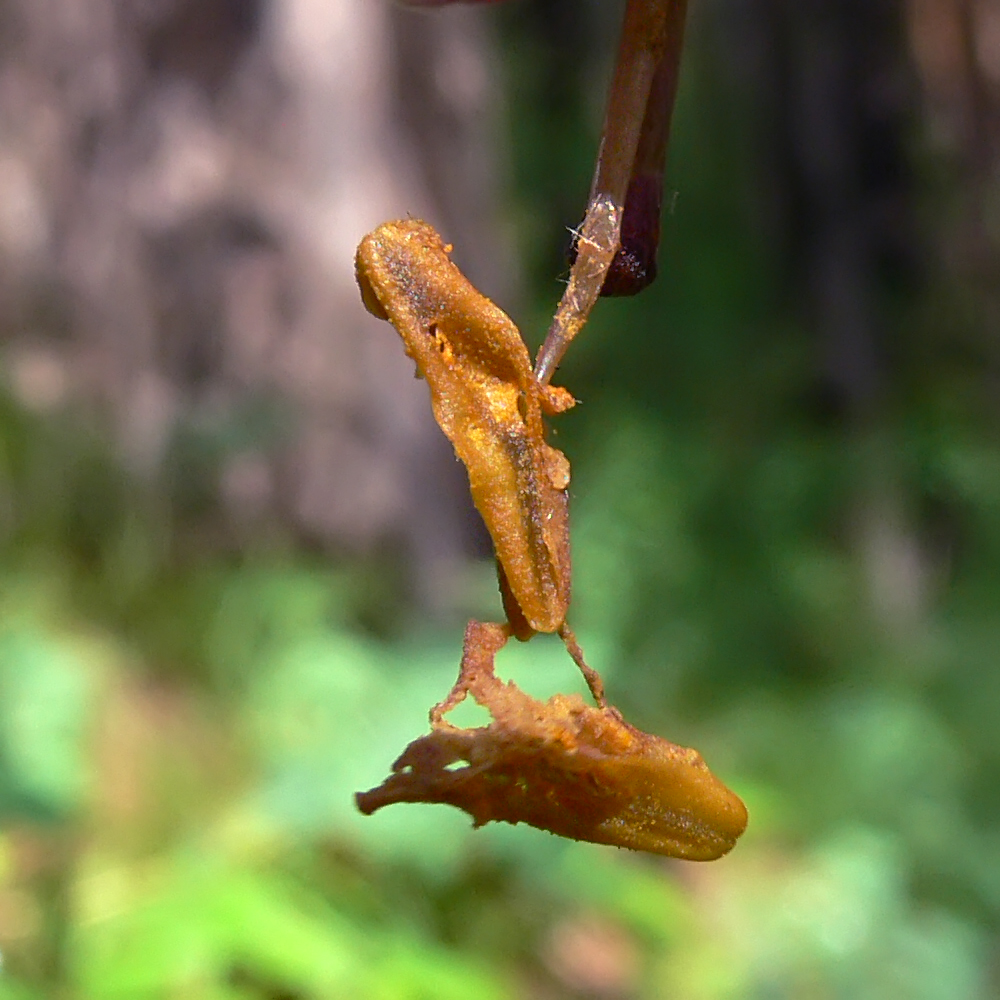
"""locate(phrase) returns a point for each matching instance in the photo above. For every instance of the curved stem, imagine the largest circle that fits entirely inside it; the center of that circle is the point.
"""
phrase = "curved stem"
(636, 126)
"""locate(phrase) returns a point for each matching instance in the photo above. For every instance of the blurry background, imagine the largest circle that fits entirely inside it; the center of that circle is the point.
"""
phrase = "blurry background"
(236, 555)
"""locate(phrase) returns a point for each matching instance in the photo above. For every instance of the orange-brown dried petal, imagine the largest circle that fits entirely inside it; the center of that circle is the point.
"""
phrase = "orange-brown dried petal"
(487, 401)
(565, 767)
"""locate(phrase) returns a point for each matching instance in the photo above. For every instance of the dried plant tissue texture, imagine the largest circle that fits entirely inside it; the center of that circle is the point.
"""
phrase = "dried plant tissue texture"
(561, 765)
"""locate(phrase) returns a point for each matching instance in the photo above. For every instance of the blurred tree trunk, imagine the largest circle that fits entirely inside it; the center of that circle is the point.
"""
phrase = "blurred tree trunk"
(851, 98)
(831, 98)
(956, 48)
(835, 85)
(182, 185)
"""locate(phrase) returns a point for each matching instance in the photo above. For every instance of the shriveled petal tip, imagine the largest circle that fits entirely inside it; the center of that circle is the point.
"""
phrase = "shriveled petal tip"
(576, 771)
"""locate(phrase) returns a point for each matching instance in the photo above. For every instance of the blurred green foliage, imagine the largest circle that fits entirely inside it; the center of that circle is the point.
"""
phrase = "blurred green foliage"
(181, 732)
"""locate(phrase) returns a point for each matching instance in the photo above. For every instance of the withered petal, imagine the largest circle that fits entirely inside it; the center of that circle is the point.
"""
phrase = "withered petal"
(571, 769)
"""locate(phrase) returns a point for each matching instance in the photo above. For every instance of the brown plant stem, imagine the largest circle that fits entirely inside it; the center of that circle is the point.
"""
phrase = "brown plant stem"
(631, 156)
